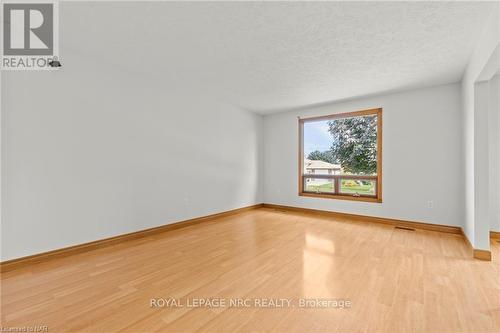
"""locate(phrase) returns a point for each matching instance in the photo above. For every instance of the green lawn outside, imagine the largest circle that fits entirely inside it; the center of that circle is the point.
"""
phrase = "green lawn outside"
(328, 188)
(368, 189)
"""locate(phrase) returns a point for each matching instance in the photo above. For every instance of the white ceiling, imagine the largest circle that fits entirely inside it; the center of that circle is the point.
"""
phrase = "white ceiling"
(268, 57)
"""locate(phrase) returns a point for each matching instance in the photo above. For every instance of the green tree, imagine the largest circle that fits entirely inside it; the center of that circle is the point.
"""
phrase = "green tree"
(326, 156)
(355, 143)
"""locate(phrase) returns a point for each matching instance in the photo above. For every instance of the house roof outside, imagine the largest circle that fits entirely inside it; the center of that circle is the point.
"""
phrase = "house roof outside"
(317, 164)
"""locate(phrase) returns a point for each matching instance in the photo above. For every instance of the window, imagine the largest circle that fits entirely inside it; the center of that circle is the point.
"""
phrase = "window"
(340, 156)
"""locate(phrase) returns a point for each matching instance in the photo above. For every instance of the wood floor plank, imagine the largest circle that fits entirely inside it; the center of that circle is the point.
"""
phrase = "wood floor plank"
(396, 280)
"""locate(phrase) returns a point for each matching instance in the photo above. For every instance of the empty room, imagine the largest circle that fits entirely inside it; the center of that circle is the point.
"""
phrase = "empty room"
(245, 166)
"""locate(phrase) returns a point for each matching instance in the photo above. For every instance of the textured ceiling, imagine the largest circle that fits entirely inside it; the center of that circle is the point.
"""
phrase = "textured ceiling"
(269, 57)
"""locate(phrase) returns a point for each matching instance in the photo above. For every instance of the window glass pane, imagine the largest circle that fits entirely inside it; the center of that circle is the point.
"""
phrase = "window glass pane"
(318, 157)
(340, 154)
(319, 185)
(340, 146)
(361, 187)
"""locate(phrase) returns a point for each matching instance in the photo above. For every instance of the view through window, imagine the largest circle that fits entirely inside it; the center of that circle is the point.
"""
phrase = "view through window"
(341, 156)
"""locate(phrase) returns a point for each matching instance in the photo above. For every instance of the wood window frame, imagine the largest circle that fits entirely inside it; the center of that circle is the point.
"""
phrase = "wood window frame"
(376, 198)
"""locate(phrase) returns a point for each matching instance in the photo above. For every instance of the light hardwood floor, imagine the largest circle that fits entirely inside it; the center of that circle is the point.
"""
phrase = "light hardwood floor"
(396, 280)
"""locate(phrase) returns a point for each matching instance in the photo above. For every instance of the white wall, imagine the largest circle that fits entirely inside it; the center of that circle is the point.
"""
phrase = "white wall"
(481, 166)
(494, 153)
(476, 225)
(422, 156)
(93, 151)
